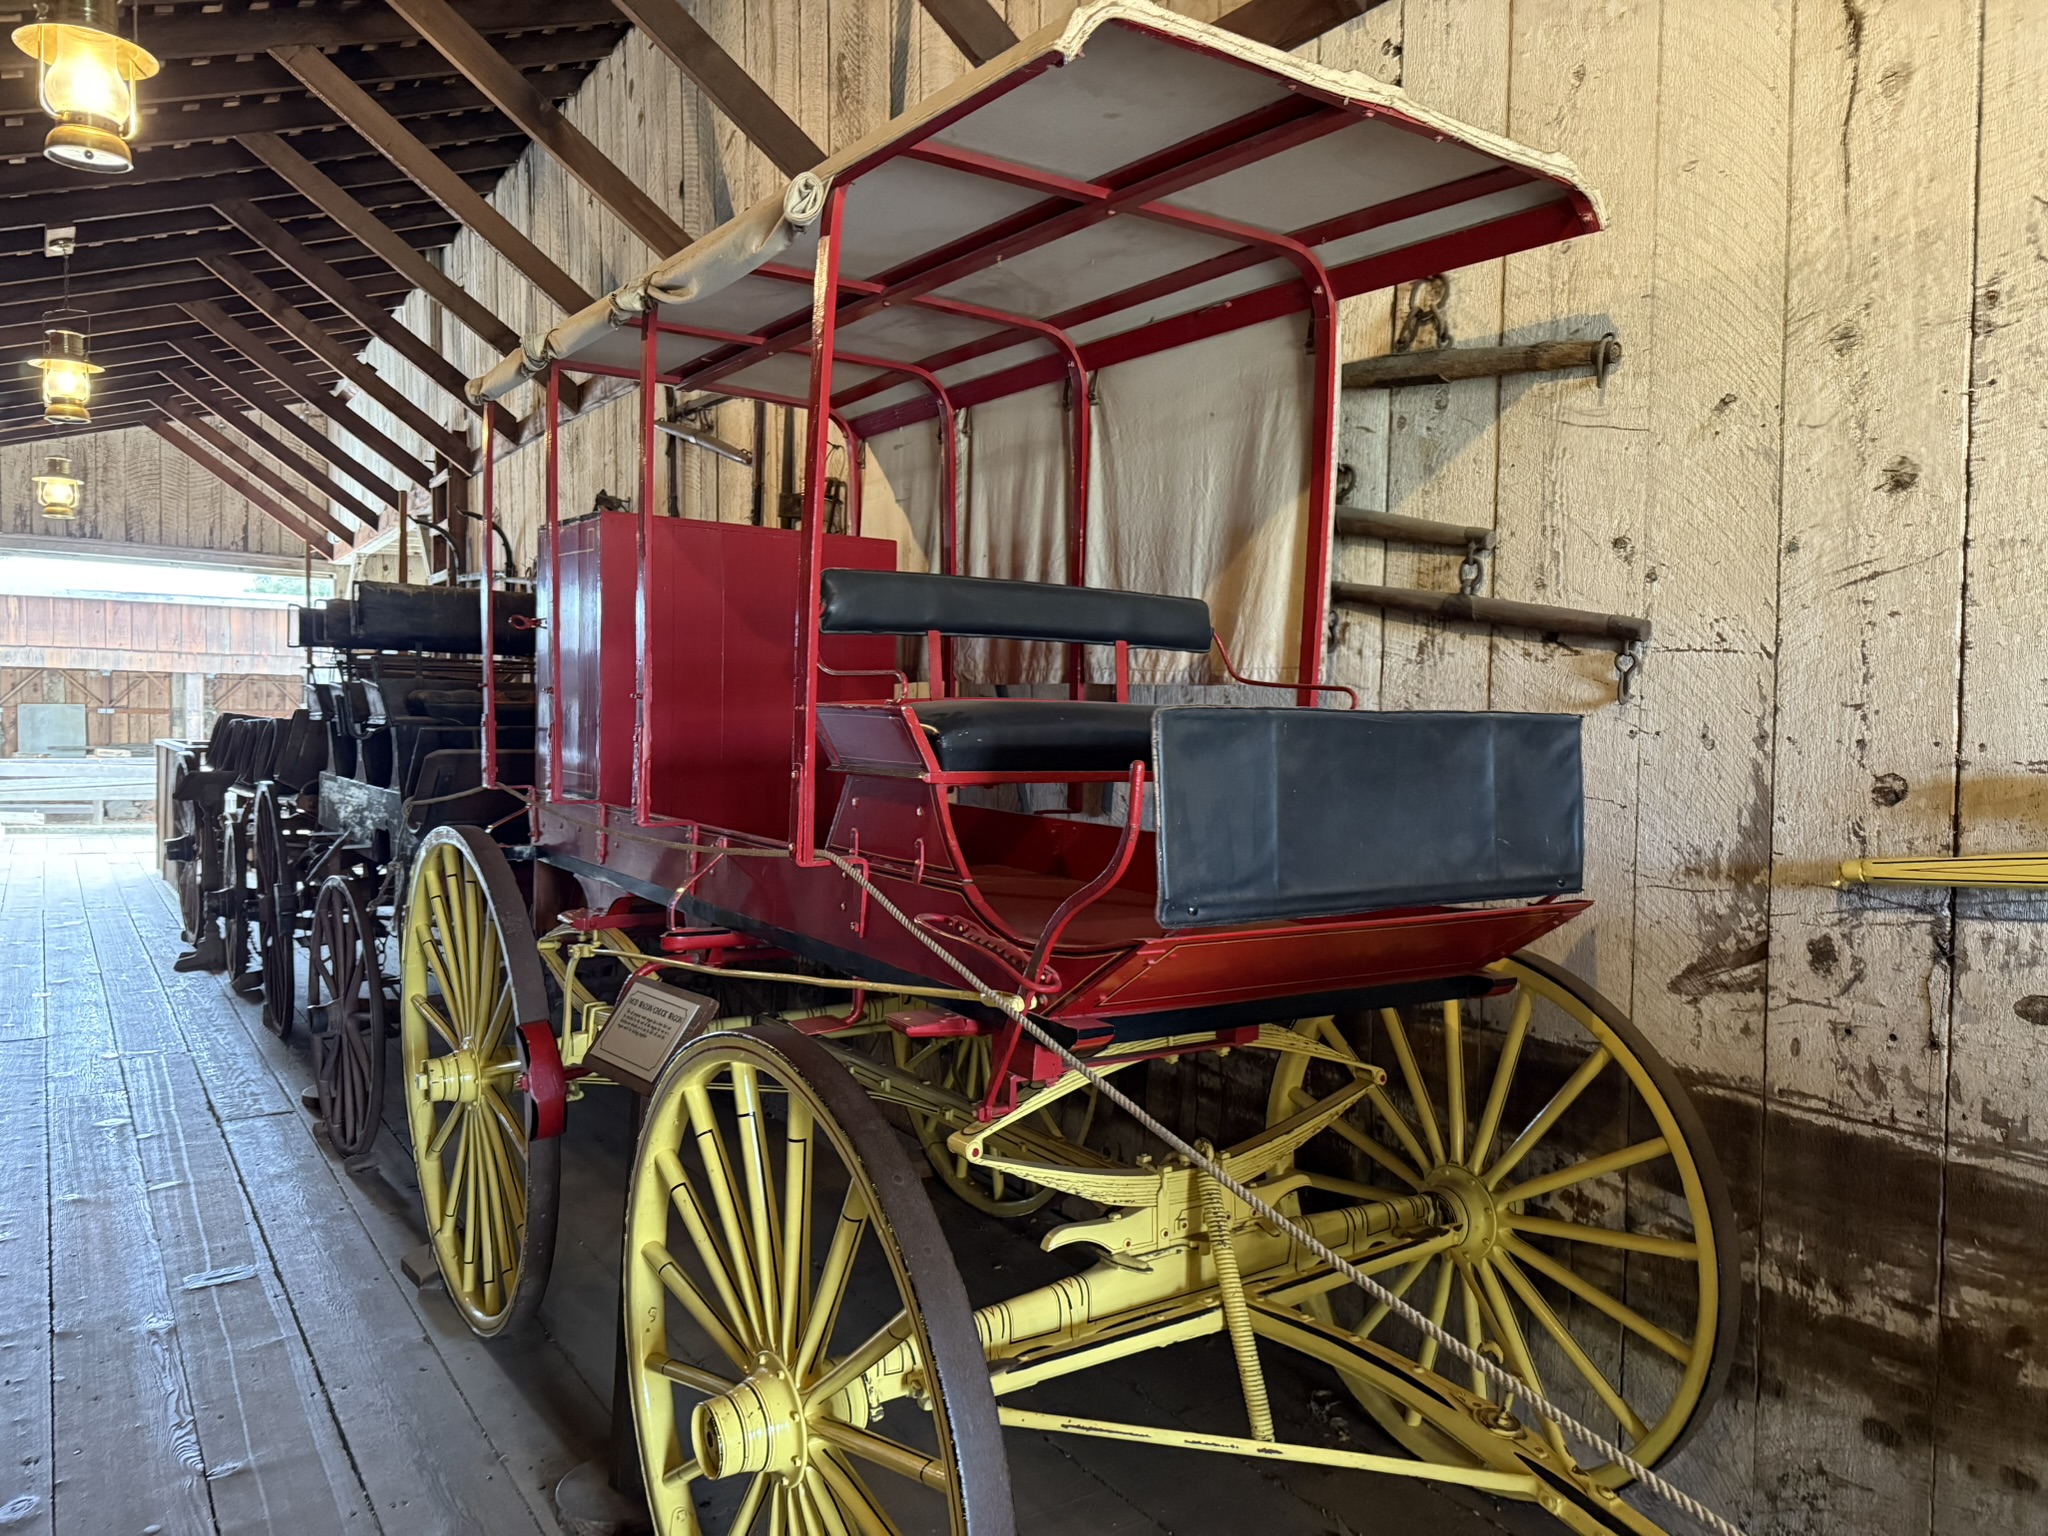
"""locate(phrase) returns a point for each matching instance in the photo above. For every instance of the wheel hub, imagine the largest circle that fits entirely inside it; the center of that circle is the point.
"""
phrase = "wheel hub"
(1470, 1205)
(756, 1427)
(450, 1079)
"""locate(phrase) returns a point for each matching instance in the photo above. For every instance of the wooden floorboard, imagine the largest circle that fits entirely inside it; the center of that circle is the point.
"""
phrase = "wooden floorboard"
(124, 1445)
(273, 1453)
(25, 1465)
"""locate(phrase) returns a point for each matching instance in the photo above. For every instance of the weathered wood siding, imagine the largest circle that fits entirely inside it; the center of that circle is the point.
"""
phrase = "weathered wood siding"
(1821, 471)
(138, 490)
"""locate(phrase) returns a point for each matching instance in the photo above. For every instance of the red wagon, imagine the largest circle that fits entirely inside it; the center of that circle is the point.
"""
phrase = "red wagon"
(987, 810)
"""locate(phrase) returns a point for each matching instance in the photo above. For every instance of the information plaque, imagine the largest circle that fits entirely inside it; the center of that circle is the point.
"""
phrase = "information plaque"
(650, 1022)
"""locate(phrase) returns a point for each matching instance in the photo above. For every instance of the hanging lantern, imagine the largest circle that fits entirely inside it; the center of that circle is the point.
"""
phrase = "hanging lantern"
(85, 79)
(57, 488)
(67, 377)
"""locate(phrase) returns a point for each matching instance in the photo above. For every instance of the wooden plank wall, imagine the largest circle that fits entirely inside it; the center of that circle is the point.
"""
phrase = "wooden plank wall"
(1820, 471)
(140, 490)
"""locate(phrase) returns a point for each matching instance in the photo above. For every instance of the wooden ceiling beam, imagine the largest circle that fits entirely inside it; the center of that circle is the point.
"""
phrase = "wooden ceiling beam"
(319, 543)
(21, 324)
(731, 89)
(239, 381)
(304, 330)
(226, 78)
(210, 397)
(197, 34)
(54, 437)
(41, 179)
(309, 387)
(249, 463)
(514, 95)
(1290, 23)
(433, 173)
(976, 27)
(169, 129)
(425, 223)
(287, 248)
(313, 184)
(369, 178)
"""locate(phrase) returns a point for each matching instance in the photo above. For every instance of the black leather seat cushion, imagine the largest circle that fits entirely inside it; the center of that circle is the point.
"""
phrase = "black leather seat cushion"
(1036, 735)
(914, 602)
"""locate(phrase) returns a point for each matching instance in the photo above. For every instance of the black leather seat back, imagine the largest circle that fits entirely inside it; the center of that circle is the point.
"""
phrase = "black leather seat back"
(914, 603)
(1286, 813)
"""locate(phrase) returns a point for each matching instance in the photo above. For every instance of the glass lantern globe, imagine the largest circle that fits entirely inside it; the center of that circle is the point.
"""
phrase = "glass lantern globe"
(85, 79)
(67, 377)
(57, 488)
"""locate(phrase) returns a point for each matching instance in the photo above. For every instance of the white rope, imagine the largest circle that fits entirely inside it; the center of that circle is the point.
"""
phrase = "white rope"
(1503, 1379)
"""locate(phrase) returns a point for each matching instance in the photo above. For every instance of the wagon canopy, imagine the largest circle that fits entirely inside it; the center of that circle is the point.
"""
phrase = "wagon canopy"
(1123, 183)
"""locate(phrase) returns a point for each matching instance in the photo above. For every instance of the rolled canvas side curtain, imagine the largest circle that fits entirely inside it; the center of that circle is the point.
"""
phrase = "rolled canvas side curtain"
(1198, 488)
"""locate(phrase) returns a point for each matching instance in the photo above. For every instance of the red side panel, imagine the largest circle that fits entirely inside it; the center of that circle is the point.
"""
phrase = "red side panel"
(596, 640)
(723, 639)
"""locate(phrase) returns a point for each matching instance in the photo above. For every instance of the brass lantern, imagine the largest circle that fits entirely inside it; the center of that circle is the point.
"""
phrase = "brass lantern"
(67, 377)
(57, 488)
(85, 79)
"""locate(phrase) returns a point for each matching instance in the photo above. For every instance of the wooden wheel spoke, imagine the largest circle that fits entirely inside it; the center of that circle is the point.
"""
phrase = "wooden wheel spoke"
(865, 1354)
(832, 1278)
(750, 1506)
(439, 1141)
(796, 1220)
(1662, 1338)
(694, 1302)
(711, 1253)
(688, 1472)
(891, 1455)
(515, 1132)
(1439, 1309)
(1573, 1351)
(759, 1172)
(1425, 1113)
(710, 1383)
(725, 1199)
(854, 1498)
(1454, 1076)
(1419, 1160)
(1475, 1323)
(437, 1021)
(1605, 1237)
(1517, 1347)
(1547, 1117)
(1588, 1168)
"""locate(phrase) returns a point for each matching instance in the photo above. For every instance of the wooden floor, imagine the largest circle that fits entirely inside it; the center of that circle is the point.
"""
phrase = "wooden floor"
(205, 1326)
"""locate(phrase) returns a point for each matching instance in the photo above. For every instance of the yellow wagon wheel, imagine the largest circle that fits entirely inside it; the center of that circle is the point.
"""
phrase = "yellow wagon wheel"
(960, 1066)
(1592, 1251)
(779, 1247)
(470, 977)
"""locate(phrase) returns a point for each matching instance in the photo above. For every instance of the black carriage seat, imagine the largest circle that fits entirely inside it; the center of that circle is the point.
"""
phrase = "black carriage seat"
(1049, 736)
(465, 707)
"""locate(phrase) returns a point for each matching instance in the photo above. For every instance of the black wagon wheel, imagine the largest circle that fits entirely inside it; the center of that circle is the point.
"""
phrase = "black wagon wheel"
(189, 871)
(482, 1078)
(277, 911)
(237, 907)
(786, 1278)
(345, 1006)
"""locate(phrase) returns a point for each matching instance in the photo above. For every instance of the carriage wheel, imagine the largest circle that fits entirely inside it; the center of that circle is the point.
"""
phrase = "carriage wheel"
(778, 1246)
(470, 978)
(961, 1066)
(345, 992)
(277, 913)
(245, 959)
(188, 874)
(1593, 1254)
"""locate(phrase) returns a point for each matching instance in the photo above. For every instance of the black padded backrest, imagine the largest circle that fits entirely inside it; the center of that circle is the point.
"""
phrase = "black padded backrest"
(1288, 813)
(913, 602)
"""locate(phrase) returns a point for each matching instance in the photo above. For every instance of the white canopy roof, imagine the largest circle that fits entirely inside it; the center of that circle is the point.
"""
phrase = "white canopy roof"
(1128, 180)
